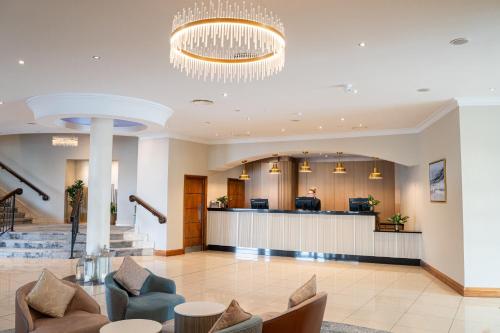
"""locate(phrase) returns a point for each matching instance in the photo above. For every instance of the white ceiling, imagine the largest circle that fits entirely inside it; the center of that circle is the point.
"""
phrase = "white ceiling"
(407, 49)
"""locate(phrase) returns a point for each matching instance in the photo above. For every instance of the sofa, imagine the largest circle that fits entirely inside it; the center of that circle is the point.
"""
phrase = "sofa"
(83, 314)
(156, 301)
(306, 317)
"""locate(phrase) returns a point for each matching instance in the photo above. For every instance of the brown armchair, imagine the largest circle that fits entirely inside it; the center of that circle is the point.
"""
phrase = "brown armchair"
(83, 314)
(306, 317)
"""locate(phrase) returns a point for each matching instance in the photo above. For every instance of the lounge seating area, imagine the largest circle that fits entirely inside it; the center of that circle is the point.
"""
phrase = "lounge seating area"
(133, 293)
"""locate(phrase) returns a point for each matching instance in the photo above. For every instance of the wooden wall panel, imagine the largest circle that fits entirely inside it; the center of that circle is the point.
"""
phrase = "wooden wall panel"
(334, 190)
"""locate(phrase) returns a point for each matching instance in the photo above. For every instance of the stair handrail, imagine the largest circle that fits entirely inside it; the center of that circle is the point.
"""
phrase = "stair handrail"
(75, 219)
(8, 215)
(161, 218)
(45, 196)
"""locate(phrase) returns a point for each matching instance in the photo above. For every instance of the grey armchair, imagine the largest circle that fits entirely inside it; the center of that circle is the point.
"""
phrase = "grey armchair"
(156, 301)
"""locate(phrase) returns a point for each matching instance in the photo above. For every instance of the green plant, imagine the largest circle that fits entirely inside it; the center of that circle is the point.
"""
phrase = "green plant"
(222, 200)
(398, 219)
(372, 201)
(74, 189)
(113, 208)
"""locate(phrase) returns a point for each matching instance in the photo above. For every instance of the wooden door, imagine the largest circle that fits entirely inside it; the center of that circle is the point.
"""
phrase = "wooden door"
(235, 193)
(194, 212)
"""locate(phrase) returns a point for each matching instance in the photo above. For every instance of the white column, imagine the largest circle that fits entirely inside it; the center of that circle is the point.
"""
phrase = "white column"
(99, 196)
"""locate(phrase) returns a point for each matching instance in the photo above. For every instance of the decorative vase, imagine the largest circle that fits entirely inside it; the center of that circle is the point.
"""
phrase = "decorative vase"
(396, 226)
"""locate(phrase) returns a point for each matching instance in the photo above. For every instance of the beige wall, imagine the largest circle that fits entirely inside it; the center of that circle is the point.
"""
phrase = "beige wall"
(34, 157)
(184, 158)
(441, 223)
(397, 148)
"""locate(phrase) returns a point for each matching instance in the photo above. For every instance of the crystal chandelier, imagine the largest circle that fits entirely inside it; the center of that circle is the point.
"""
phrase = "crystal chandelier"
(227, 42)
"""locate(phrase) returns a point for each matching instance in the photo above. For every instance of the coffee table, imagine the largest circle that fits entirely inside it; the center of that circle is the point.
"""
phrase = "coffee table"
(132, 326)
(196, 317)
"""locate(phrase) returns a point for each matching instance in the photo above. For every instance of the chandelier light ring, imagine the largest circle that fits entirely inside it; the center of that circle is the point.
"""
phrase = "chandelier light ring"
(227, 42)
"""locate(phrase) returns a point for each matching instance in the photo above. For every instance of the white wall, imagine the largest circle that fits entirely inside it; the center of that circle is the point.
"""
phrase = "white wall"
(480, 145)
(152, 187)
(34, 157)
(185, 158)
(441, 223)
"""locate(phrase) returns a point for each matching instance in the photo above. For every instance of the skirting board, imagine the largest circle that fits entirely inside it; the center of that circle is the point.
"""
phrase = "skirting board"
(458, 287)
(314, 255)
(169, 253)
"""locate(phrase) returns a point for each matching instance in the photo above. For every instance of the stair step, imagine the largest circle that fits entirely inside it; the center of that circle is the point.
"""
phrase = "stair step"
(65, 254)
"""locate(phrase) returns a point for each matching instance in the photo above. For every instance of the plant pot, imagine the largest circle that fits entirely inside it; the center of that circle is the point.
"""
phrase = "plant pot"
(396, 227)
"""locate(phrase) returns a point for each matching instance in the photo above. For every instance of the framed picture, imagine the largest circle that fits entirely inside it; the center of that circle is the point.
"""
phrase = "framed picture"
(437, 180)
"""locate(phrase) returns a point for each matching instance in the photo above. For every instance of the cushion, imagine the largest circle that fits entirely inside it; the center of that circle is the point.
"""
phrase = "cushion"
(233, 315)
(50, 295)
(131, 276)
(302, 294)
(77, 321)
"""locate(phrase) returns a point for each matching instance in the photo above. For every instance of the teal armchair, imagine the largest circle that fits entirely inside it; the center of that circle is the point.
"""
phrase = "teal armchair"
(252, 325)
(156, 301)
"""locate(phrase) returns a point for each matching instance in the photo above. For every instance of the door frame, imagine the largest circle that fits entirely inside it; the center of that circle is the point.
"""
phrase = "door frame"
(204, 217)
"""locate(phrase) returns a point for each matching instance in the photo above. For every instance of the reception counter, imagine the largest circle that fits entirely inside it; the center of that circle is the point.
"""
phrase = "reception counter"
(321, 234)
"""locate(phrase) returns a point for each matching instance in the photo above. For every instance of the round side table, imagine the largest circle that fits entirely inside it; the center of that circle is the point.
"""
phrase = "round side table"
(132, 326)
(197, 317)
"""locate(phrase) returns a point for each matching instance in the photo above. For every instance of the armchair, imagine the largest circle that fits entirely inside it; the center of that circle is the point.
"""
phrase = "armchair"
(83, 314)
(156, 301)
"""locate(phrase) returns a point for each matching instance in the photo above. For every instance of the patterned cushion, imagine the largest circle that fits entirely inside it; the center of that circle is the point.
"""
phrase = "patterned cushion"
(233, 315)
(302, 294)
(131, 276)
(50, 295)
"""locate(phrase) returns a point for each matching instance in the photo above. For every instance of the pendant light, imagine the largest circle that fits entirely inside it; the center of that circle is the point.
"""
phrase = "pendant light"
(375, 174)
(304, 167)
(244, 175)
(275, 170)
(339, 167)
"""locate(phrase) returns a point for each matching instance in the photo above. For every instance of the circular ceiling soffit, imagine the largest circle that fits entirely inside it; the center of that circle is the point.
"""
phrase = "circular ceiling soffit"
(75, 111)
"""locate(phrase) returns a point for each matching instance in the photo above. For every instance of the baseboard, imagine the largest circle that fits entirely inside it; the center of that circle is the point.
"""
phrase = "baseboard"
(481, 292)
(169, 253)
(450, 282)
(459, 288)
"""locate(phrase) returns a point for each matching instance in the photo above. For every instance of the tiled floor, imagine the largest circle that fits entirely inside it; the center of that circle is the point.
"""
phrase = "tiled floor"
(395, 298)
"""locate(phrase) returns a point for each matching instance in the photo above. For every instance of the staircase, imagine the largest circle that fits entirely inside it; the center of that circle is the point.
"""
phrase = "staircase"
(19, 217)
(54, 241)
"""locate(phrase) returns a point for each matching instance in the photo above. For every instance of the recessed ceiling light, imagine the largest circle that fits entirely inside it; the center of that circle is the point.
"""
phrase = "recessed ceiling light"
(355, 91)
(283, 130)
(492, 89)
(202, 102)
(225, 94)
(459, 41)
(342, 119)
(362, 44)
(20, 62)
(320, 127)
(423, 90)
(248, 132)
(248, 118)
(96, 57)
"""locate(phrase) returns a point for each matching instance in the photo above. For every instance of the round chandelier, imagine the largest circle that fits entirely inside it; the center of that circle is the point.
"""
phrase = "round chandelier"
(227, 42)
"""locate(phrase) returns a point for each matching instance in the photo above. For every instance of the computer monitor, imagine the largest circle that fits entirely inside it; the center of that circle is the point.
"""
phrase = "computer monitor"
(307, 203)
(259, 203)
(359, 205)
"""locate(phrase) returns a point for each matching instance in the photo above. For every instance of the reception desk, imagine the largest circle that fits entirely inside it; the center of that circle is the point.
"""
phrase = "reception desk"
(322, 234)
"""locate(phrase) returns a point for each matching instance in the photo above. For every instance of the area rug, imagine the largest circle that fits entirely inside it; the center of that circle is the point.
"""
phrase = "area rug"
(327, 327)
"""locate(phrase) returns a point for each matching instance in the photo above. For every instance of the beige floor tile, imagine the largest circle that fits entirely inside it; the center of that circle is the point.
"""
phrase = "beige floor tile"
(426, 322)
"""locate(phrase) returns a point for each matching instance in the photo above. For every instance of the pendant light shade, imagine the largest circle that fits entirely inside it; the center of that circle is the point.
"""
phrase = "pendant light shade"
(304, 167)
(244, 174)
(275, 170)
(375, 174)
(339, 167)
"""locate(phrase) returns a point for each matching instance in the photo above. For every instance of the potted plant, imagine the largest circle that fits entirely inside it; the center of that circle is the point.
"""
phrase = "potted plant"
(73, 190)
(397, 220)
(113, 212)
(372, 202)
(222, 201)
